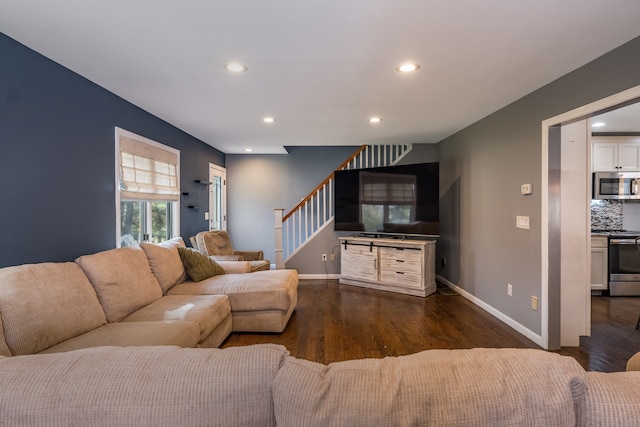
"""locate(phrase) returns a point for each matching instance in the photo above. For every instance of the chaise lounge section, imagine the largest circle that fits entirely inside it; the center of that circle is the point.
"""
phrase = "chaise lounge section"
(264, 308)
(262, 301)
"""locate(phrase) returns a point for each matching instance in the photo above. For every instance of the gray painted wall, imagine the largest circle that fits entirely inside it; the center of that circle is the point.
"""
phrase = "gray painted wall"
(421, 153)
(309, 259)
(257, 184)
(481, 169)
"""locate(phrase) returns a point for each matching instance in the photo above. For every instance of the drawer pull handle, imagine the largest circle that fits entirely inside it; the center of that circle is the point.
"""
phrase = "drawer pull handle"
(399, 260)
(399, 272)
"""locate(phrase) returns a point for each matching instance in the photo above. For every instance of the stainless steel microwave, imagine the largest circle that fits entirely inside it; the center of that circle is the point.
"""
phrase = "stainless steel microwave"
(616, 185)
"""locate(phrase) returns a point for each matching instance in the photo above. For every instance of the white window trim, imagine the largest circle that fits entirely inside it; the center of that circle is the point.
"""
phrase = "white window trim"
(124, 133)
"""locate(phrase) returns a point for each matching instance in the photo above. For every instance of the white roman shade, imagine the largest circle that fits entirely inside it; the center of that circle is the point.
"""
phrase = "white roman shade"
(147, 172)
(387, 189)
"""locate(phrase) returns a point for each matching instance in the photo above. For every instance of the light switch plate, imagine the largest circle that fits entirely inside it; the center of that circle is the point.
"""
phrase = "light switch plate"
(522, 222)
(526, 189)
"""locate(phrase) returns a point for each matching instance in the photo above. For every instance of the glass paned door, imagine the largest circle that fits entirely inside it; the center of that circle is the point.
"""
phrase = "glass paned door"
(217, 198)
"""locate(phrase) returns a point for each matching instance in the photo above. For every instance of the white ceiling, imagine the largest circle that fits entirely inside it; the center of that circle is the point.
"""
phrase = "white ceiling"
(623, 119)
(320, 67)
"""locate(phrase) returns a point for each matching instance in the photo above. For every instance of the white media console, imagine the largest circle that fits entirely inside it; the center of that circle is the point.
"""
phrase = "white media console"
(396, 265)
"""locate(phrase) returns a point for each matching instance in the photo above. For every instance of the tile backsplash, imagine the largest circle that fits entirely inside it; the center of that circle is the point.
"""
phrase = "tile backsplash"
(615, 215)
(606, 214)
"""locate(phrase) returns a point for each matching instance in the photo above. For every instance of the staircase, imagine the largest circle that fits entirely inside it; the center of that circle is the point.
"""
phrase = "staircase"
(315, 212)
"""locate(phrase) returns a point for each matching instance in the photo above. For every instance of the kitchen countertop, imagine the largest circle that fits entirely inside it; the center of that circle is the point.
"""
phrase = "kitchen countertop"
(617, 233)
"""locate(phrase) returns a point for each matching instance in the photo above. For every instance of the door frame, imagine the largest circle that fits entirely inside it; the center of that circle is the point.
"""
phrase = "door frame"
(217, 171)
(583, 112)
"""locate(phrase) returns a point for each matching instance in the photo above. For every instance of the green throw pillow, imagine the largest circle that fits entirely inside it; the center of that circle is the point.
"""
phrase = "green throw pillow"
(198, 265)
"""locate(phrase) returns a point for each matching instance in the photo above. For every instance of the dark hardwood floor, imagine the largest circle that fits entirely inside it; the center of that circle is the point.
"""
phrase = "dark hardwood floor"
(334, 322)
(613, 339)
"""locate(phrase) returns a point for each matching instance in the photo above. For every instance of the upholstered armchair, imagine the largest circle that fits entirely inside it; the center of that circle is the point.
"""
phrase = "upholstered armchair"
(217, 244)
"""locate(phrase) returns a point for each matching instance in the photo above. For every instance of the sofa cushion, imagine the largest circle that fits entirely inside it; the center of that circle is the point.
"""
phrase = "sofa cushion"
(507, 387)
(165, 262)
(611, 399)
(148, 386)
(262, 290)
(133, 334)
(122, 279)
(208, 311)
(44, 304)
(198, 265)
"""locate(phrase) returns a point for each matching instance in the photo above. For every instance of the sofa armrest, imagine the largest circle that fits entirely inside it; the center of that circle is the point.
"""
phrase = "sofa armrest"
(250, 255)
(234, 267)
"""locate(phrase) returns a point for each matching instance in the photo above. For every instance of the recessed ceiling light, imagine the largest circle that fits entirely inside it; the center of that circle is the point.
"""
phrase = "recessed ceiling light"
(248, 150)
(235, 67)
(597, 125)
(268, 120)
(375, 120)
(408, 67)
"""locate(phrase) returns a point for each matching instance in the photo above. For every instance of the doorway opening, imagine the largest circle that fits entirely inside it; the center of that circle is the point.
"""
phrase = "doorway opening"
(551, 267)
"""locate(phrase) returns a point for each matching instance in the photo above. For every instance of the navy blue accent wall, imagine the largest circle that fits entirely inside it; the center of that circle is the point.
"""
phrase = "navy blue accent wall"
(57, 160)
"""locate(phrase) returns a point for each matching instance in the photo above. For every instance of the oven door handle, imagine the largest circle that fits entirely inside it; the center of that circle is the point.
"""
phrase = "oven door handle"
(624, 241)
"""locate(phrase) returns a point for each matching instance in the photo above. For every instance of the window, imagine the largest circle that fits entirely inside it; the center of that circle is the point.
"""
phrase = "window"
(387, 198)
(148, 196)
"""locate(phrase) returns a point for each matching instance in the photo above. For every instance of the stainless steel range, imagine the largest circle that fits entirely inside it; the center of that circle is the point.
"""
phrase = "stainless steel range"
(624, 263)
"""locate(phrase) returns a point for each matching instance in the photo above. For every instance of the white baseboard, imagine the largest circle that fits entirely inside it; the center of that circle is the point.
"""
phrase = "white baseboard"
(319, 276)
(536, 338)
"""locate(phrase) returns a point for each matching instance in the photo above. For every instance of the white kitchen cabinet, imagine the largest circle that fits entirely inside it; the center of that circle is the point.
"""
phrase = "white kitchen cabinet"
(404, 266)
(615, 154)
(599, 263)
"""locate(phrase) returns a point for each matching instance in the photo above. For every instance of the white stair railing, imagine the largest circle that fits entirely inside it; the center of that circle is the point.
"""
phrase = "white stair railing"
(315, 211)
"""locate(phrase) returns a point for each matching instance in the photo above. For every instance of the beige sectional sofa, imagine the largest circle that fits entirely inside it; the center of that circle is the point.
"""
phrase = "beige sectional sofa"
(262, 385)
(136, 297)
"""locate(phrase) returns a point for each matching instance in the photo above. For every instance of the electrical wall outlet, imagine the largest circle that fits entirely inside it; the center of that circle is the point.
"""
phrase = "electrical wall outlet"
(509, 289)
(324, 257)
(333, 257)
(534, 303)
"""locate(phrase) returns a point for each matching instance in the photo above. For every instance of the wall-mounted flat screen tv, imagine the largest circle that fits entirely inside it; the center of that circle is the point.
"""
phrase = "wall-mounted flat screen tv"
(388, 200)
